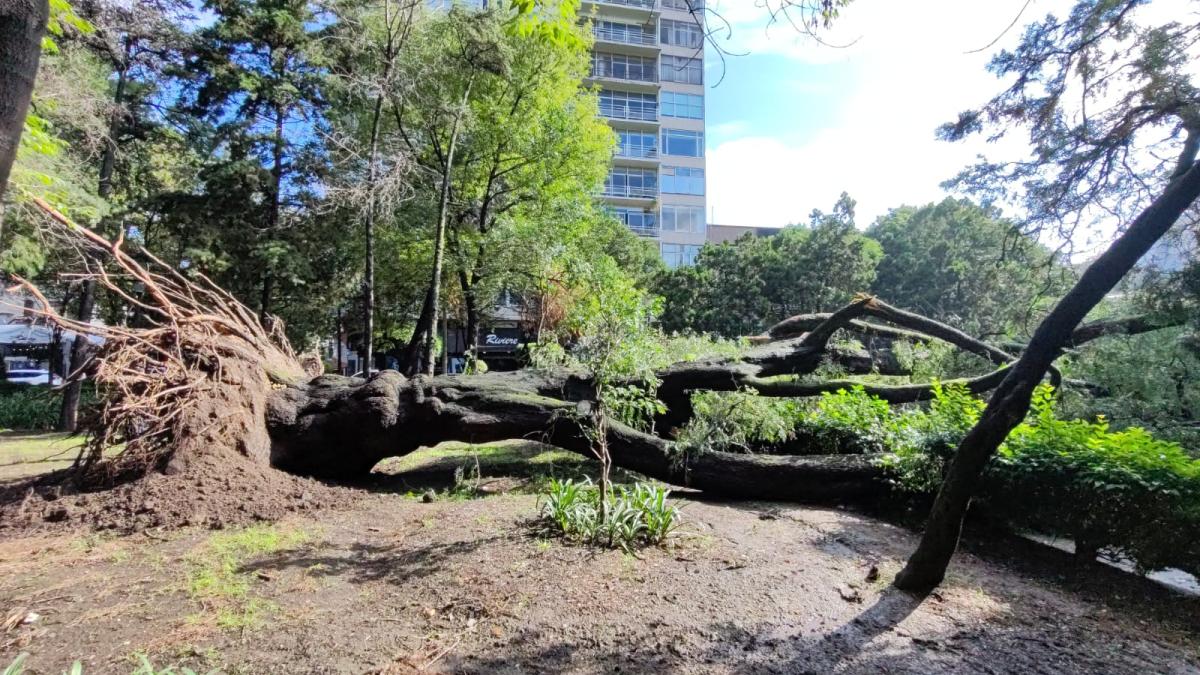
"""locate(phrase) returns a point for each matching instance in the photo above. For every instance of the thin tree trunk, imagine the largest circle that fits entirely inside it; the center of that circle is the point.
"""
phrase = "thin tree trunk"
(471, 309)
(439, 240)
(389, 55)
(22, 23)
(427, 331)
(68, 416)
(1010, 402)
(268, 279)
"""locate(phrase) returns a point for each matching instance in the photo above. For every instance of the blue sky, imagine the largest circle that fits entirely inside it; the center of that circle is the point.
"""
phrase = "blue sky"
(795, 123)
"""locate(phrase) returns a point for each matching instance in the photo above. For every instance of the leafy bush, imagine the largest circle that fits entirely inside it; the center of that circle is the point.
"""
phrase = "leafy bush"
(1124, 490)
(848, 421)
(640, 515)
(34, 408)
(736, 422)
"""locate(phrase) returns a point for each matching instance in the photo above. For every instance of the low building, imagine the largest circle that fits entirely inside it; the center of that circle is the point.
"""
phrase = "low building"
(720, 234)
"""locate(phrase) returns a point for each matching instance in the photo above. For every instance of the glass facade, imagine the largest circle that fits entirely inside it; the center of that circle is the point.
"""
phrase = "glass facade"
(638, 220)
(682, 180)
(683, 219)
(680, 33)
(683, 69)
(683, 143)
(636, 144)
(678, 104)
(624, 181)
(628, 105)
(623, 67)
(675, 255)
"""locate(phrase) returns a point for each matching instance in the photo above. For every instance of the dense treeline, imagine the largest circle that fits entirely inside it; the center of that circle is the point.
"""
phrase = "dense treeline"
(954, 261)
(316, 159)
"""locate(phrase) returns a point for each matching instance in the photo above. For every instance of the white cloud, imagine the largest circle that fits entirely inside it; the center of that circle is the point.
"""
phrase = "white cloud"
(913, 76)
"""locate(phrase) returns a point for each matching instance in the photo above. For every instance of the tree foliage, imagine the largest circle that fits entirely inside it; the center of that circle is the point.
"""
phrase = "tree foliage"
(743, 287)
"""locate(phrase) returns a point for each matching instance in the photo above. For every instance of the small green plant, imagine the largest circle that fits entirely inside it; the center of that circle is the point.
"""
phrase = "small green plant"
(17, 667)
(146, 667)
(638, 515)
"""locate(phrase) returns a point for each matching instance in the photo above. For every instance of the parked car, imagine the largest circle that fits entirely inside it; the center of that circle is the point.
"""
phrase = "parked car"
(33, 376)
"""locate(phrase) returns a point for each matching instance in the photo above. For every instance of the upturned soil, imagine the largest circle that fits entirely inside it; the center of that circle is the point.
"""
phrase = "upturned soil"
(409, 574)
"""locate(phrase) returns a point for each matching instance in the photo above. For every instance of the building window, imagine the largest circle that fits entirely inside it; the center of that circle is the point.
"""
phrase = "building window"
(675, 255)
(635, 144)
(628, 182)
(639, 221)
(626, 105)
(685, 69)
(683, 219)
(681, 33)
(623, 67)
(683, 143)
(676, 104)
(682, 180)
(684, 5)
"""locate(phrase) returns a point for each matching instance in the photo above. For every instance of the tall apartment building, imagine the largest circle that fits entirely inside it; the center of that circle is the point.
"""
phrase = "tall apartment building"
(648, 62)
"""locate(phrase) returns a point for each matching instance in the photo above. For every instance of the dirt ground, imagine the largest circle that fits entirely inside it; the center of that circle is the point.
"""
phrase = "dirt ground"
(406, 579)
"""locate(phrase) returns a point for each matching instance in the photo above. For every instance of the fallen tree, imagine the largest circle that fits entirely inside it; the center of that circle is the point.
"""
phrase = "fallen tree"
(204, 386)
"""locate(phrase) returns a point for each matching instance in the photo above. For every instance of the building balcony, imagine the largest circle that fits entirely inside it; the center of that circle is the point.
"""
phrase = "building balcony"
(644, 5)
(629, 192)
(631, 114)
(644, 230)
(636, 153)
(624, 37)
(623, 75)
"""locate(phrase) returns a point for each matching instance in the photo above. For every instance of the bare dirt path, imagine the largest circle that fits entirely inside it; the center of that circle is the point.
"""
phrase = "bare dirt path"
(395, 585)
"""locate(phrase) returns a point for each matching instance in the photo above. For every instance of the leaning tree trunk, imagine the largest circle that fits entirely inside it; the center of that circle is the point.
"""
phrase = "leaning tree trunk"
(1010, 402)
(22, 23)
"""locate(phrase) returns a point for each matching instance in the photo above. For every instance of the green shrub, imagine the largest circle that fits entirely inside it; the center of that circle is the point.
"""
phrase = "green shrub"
(34, 408)
(739, 421)
(638, 515)
(1124, 490)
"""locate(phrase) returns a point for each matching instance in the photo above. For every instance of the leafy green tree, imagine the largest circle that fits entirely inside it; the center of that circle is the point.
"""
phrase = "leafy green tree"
(741, 288)
(963, 264)
(254, 87)
(535, 154)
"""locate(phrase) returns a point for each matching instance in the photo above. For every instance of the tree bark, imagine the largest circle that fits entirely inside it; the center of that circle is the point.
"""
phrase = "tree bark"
(1010, 402)
(22, 24)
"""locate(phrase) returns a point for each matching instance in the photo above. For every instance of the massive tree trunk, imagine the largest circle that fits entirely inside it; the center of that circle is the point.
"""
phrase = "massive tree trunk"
(338, 427)
(1010, 402)
(22, 23)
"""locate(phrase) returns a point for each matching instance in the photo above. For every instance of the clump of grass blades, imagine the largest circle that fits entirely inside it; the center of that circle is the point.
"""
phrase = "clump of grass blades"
(637, 516)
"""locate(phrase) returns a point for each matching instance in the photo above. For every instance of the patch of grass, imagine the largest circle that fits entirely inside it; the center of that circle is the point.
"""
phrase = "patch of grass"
(29, 453)
(216, 578)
